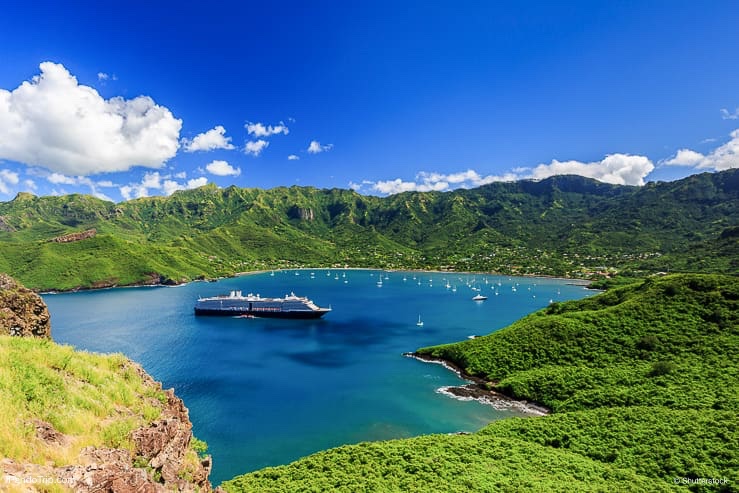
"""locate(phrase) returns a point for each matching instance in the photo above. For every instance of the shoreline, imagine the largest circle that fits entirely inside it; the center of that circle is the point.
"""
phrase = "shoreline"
(171, 283)
(478, 389)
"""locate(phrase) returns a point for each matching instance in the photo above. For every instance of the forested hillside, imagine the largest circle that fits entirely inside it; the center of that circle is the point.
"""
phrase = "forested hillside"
(642, 383)
(564, 226)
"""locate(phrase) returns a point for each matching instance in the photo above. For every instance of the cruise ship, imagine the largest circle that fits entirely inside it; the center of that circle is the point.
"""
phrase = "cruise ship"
(234, 304)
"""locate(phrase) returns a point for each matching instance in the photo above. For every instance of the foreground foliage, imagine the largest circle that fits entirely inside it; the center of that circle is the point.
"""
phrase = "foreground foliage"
(642, 380)
(564, 225)
(89, 400)
(96, 399)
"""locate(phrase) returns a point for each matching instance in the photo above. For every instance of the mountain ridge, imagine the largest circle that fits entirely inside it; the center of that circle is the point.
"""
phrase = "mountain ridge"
(568, 226)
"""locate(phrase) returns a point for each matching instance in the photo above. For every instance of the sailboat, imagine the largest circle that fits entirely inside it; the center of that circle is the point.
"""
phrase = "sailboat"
(420, 322)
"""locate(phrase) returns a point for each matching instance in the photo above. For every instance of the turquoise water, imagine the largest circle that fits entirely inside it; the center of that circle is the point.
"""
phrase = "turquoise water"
(265, 392)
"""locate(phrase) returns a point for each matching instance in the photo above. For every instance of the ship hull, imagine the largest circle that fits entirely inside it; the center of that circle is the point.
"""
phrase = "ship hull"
(262, 314)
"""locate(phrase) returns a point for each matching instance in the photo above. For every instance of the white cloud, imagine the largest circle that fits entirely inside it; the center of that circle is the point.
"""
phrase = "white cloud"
(622, 169)
(315, 147)
(222, 168)
(7, 177)
(397, 186)
(214, 138)
(170, 186)
(152, 180)
(255, 147)
(617, 169)
(156, 182)
(58, 178)
(722, 158)
(685, 157)
(729, 116)
(102, 77)
(54, 122)
(432, 181)
(30, 185)
(197, 182)
(293, 157)
(181, 175)
(261, 130)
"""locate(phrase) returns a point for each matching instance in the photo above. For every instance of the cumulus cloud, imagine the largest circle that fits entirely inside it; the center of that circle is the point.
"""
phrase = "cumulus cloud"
(154, 182)
(54, 122)
(722, 158)
(58, 178)
(293, 157)
(222, 168)
(255, 147)
(214, 138)
(432, 181)
(685, 157)
(315, 147)
(726, 115)
(262, 130)
(620, 169)
(617, 169)
(197, 182)
(7, 177)
(61, 179)
(170, 186)
(30, 185)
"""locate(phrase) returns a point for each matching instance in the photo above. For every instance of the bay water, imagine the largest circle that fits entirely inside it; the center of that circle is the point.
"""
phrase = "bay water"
(265, 392)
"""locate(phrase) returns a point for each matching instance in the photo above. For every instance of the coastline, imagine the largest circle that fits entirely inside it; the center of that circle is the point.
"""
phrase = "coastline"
(478, 389)
(167, 282)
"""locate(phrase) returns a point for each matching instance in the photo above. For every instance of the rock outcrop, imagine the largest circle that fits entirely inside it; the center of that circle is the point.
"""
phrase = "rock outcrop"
(22, 312)
(69, 238)
(4, 226)
(160, 460)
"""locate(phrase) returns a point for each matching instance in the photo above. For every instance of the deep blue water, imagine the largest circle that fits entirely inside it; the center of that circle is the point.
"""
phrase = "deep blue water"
(265, 392)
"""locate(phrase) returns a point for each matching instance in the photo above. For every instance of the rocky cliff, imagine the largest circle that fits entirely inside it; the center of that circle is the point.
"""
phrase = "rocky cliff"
(54, 384)
(22, 312)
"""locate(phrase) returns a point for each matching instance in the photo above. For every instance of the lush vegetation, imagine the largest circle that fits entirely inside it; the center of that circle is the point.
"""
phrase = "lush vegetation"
(565, 226)
(479, 462)
(642, 381)
(91, 399)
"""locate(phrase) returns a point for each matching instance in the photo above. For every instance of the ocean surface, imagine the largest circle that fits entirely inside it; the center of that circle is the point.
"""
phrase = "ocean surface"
(265, 392)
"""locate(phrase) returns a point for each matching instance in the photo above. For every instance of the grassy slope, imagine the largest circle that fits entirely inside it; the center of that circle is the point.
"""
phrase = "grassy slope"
(77, 393)
(642, 380)
(95, 400)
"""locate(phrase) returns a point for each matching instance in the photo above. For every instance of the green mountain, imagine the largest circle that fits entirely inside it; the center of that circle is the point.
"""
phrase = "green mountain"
(564, 225)
(641, 380)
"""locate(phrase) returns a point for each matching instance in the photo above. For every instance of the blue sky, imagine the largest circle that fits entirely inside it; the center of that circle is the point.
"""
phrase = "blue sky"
(145, 98)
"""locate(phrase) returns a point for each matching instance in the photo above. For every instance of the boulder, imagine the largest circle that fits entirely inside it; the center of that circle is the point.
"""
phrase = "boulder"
(22, 312)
